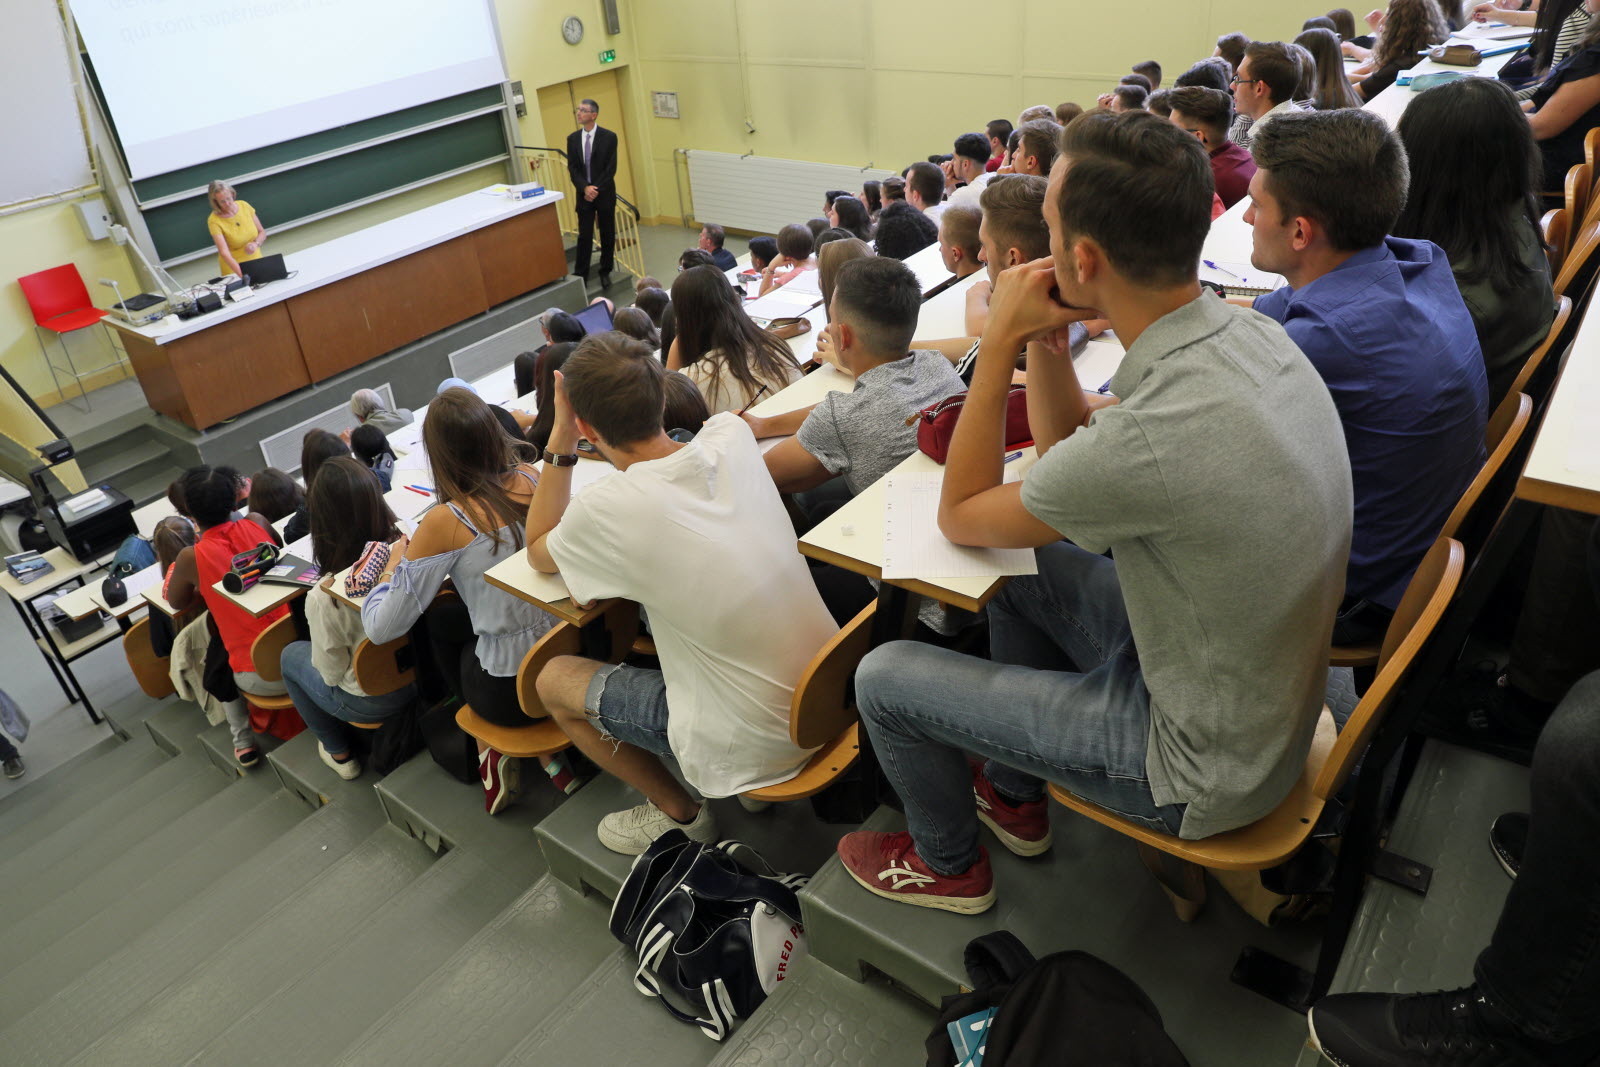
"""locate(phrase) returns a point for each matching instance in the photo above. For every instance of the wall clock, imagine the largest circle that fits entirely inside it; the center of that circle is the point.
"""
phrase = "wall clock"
(572, 29)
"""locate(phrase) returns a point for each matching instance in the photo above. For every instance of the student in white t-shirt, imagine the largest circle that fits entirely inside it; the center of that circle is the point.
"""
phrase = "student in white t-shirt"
(697, 535)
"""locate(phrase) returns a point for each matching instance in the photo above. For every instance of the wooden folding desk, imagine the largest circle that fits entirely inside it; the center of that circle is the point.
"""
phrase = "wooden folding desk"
(59, 653)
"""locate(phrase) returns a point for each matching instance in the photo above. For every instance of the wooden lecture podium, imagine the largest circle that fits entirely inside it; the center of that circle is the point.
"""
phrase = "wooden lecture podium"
(348, 301)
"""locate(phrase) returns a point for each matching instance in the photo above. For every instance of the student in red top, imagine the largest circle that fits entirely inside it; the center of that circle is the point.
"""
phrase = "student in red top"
(1205, 112)
(211, 495)
(999, 132)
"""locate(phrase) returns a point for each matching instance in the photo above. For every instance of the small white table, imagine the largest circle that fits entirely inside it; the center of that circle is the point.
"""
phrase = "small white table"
(59, 652)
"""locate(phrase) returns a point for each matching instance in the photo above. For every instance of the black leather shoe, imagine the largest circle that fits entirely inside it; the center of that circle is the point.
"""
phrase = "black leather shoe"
(605, 281)
(1453, 1029)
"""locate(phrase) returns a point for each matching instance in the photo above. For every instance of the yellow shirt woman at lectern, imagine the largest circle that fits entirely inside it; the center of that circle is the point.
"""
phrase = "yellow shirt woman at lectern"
(234, 227)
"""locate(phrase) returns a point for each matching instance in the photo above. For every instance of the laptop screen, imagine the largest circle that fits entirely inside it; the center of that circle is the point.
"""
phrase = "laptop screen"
(596, 318)
(264, 270)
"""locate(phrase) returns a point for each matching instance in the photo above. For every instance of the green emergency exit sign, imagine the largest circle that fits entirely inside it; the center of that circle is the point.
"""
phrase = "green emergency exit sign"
(608, 56)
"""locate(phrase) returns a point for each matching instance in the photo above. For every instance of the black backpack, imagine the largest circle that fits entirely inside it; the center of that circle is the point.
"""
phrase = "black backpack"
(1066, 1010)
(714, 937)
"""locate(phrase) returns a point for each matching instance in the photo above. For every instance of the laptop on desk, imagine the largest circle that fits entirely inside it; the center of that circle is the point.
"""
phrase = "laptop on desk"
(266, 269)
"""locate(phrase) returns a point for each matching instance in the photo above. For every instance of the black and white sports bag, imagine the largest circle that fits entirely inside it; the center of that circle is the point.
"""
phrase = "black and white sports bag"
(714, 934)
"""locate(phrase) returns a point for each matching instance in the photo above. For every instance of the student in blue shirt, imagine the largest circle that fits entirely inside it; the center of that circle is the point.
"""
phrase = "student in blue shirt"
(1382, 320)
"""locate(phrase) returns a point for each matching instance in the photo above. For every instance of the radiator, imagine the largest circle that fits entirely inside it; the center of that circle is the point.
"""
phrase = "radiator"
(762, 194)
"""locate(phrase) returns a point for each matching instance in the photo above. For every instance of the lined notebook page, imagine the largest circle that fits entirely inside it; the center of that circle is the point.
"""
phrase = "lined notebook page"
(913, 547)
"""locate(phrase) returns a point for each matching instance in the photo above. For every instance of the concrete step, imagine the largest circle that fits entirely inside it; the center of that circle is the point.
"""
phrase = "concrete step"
(75, 853)
(106, 913)
(293, 933)
(818, 1018)
(300, 770)
(1089, 892)
(212, 918)
(101, 433)
(384, 956)
(216, 745)
(1405, 943)
(475, 1008)
(424, 801)
(104, 831)
(26, 930)
(151, 482)
(789, 836)
(606, 1020)
(175, 725)
(34, 813)
(126, 716)
(128, 459)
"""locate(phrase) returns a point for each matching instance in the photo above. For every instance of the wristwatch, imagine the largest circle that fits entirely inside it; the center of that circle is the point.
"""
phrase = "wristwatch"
(564, 459)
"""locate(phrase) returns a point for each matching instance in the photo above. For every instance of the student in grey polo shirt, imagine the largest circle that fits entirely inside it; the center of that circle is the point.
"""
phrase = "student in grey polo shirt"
(1181, 684)
(862, 434)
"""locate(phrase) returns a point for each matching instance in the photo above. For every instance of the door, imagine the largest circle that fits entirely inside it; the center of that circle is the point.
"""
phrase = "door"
(558, 102)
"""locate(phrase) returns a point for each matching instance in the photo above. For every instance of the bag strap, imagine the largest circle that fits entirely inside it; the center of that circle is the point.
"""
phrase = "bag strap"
(720, 1016)
(999, 958)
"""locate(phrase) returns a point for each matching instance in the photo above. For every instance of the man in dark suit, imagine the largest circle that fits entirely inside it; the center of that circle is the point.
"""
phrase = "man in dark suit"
(592, 163)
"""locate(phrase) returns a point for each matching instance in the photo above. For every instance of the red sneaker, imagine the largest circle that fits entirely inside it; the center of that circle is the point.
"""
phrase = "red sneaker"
(888, 866)
(500, 775)
(1023, 828)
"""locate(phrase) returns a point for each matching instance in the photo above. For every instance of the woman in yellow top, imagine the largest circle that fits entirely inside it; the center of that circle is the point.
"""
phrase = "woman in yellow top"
(235, 228)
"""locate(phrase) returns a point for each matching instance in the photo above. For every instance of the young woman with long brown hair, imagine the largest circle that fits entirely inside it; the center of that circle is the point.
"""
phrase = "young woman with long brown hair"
(320, 673)
(480, 635)
(1408, 28)
(720, 347)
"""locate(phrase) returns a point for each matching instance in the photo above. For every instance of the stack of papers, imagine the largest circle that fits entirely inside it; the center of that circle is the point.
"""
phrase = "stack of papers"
(783, 302)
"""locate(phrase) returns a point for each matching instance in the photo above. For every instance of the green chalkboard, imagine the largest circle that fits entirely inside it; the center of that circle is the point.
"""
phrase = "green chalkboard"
(179, 181)
(311, 188)
(179, 227)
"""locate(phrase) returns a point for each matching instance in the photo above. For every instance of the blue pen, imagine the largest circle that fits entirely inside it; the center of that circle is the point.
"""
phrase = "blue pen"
(1213, 265)
(1106, 388)
(1013, 455)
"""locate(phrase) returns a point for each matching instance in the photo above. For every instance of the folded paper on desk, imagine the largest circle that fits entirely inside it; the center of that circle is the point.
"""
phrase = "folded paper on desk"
(913, 547)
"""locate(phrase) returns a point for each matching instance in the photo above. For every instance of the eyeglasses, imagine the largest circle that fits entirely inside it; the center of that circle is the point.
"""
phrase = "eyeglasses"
(1236, 80)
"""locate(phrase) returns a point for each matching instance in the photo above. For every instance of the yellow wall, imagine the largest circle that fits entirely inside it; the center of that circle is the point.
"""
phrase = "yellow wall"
(837, 81)
(885, 84)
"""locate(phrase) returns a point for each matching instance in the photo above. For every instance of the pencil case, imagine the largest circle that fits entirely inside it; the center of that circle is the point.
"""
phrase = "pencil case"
(247, 567)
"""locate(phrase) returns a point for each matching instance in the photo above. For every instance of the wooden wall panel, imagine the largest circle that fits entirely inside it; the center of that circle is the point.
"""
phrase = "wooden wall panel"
(348, 322)
(520, 254)
(222, 371)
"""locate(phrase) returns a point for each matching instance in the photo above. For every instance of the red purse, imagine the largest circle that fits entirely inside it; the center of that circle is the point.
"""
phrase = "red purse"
(937, 424)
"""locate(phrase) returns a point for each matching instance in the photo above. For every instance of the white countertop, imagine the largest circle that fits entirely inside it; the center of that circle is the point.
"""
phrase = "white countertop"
(353, 253)
(1566, 453)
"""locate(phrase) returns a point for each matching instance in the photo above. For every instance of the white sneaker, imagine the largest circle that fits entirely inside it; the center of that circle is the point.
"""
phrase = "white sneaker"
(349, 770)
(631, 832)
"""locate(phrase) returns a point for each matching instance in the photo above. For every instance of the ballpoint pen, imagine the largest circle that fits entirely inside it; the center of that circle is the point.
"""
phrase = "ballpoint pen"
(1215, 266)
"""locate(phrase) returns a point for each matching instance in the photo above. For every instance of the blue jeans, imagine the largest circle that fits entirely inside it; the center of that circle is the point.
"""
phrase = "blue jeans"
(1542, 967)
(1064, 701)
(326, 708)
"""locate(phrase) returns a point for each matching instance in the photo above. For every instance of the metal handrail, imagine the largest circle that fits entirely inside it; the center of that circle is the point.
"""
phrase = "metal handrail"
(629, 252)
(563, 154)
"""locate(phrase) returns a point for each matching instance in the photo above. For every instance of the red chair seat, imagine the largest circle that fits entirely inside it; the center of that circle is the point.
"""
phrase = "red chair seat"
(75, 320)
